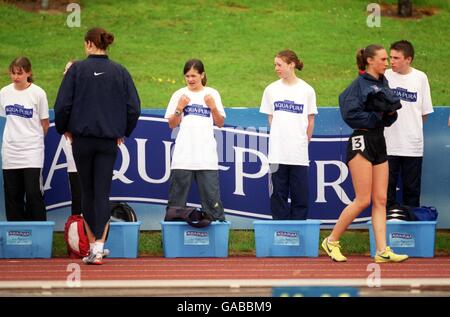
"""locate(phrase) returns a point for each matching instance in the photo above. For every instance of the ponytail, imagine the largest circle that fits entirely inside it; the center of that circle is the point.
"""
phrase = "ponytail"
(363, 54)
(289, 56)
(100, 37)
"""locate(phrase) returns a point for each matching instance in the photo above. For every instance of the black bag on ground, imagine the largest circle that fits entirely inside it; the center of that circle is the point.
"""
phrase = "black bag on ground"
(195, 217)
(122, 212)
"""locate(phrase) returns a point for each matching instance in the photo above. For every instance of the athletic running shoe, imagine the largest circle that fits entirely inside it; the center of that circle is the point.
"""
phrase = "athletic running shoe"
(333, 249)
(389, 256)
(93, 258)
(105, 252)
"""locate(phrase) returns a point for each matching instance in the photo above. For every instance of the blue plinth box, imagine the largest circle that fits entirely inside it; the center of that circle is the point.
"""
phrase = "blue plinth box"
(287, 238)
(414, 238)
(180, 240)
(123, 239)
(26, 239)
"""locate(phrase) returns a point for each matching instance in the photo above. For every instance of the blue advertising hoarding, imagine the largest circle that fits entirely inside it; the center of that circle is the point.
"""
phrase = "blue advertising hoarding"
(142, 169)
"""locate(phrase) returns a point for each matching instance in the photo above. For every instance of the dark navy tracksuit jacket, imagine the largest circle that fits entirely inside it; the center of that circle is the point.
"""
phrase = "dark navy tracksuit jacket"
(97, 98)
(355, 103)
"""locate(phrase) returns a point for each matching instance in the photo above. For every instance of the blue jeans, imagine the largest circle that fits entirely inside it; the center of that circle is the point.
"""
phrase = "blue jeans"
(208, 188)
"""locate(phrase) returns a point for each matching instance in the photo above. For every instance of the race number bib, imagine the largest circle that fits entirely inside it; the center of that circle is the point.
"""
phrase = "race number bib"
(358, 143)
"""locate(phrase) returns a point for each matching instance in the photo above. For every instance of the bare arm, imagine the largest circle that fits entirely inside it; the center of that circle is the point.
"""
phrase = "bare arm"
(269, 118)
(217, 117)
(424, 118)
(45, 124)
(175, 119)
(309, 130)
(69, 137)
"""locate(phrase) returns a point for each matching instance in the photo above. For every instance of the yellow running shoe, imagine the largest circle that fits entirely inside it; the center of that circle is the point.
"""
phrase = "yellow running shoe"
(333, 249)
(389, 256)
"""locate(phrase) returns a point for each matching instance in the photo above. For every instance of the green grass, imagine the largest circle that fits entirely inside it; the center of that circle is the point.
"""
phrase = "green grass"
(241, 243)
(236, 39)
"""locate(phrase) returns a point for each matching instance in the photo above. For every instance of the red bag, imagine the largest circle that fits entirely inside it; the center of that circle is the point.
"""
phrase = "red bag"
(76, 238)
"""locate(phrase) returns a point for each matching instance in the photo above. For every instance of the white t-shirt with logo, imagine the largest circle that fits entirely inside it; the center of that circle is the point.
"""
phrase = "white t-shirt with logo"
(290, 106)
(405, 136)
(23, 137)
(195, 145)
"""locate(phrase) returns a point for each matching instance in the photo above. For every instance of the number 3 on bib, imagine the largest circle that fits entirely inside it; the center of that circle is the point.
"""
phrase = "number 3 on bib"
(358, 143)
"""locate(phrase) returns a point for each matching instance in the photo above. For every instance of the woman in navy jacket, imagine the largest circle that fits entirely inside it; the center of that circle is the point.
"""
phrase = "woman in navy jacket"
(96, 107)
(367, 106)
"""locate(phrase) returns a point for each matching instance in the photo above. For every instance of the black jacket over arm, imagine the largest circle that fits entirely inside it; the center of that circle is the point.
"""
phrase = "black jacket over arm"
(360, 103)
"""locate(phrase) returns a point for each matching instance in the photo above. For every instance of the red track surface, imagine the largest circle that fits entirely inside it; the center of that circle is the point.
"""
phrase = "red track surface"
(157, 268)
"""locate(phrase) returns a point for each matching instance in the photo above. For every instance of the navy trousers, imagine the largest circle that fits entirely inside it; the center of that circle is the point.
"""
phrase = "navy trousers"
(24, 200)
(75, 192)
(409, 169)
(95, 158)
(289, 181)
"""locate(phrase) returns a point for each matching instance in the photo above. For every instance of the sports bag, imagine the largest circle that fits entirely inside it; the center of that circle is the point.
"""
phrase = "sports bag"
(425, 213)
(76, 238)
(195, 217)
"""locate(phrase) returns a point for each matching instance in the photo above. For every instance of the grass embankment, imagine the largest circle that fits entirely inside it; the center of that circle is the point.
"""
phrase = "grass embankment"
(237, 41)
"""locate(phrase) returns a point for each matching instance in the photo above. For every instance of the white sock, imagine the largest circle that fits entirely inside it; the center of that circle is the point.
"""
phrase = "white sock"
(98, 247)
(91, 246)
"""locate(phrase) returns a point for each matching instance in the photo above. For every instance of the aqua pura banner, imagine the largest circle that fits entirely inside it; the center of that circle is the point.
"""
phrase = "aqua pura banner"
(142, 170)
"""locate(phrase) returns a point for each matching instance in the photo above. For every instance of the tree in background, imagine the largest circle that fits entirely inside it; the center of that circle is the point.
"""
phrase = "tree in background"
(405, 8)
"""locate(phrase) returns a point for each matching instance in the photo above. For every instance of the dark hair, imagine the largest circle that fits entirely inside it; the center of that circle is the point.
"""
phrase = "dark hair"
(198, 66)
(99, 37)
(289, 56)
(405, 47)
(364, 53)
(22, 63)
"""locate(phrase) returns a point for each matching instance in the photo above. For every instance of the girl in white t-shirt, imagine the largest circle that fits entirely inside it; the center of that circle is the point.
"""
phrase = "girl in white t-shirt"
(290, 104)
(25, 107)
(195, 109)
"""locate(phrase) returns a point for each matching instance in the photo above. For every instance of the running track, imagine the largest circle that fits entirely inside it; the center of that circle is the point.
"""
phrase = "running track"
(158, 268)
(232, 276)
